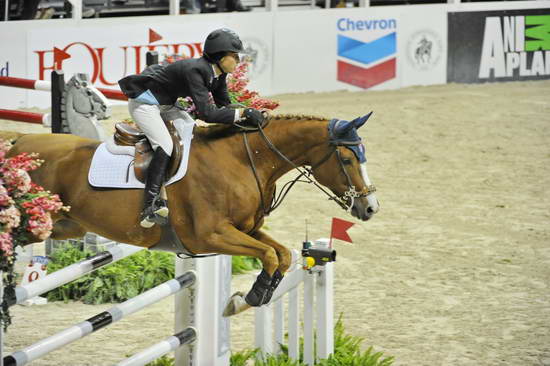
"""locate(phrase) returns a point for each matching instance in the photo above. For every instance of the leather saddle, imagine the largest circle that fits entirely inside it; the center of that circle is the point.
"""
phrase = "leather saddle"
(129, 134)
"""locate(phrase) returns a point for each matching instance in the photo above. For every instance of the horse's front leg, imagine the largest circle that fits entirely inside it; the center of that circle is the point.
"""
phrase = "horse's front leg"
(229, 240)
(284, 256)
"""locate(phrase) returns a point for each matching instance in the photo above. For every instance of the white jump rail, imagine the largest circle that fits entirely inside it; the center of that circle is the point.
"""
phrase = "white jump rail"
(45, 85)
(210, 332)
(100, 320)
(71, 273)
(187, 336)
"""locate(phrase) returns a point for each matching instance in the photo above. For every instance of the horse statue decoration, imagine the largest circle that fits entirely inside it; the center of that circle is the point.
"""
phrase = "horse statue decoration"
(220, 205)
(83, 105)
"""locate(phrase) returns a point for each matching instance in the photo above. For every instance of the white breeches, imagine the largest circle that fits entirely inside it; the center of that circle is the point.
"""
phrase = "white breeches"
(148, 119)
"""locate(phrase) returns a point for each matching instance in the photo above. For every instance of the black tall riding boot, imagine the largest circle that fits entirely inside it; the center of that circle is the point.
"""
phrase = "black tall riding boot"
(155, 210)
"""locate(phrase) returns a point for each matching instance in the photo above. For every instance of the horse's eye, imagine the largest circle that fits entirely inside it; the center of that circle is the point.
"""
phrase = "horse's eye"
(346, 161)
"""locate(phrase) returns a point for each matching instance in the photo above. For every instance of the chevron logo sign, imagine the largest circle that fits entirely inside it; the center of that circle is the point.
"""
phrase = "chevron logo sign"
(367, 51)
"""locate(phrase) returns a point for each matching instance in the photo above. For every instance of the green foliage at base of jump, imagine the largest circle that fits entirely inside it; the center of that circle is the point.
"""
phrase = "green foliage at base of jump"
(124, 279)
(114, 283)
(347, 352)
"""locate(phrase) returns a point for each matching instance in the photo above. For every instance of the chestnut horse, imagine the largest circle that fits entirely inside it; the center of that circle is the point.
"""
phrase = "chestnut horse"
(219, 206)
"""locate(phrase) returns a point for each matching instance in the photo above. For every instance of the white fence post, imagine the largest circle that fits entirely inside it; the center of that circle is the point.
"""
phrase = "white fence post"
(309, 288)
(183, 312)
(272, 5)
(77, 9)
(279, 315)
(325, 312)
(263, 331)
(294, 324)
(203, 310)
(174, 7)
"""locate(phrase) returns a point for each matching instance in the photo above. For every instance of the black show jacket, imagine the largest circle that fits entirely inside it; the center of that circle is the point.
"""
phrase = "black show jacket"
(193, 78)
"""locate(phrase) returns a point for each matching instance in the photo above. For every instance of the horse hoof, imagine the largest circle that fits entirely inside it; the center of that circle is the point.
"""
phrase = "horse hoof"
(236, 305)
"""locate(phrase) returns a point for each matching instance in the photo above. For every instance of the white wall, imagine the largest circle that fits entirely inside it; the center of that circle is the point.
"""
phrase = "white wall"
(297, 51)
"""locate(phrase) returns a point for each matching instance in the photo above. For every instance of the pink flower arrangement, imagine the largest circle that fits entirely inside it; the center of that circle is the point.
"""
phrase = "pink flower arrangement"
(237, 83)
(6, 244)
(25, 210)
(24, 206)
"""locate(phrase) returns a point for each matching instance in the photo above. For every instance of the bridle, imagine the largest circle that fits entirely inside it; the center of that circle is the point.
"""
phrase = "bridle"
(345, 202)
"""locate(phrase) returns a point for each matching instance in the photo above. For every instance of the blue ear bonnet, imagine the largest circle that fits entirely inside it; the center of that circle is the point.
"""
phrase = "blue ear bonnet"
(344, 133)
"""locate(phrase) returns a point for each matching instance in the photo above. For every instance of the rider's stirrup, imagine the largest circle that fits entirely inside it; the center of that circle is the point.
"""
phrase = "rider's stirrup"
(156, 213)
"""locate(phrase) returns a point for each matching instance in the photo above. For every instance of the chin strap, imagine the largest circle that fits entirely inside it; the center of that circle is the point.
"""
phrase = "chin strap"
(220, 68)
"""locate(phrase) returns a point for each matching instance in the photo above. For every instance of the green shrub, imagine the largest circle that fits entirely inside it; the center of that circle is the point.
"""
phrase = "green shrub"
(163, 361)
(241, 264)
(116, 282)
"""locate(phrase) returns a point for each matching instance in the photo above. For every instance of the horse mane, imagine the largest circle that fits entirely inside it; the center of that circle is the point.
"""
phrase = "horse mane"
(218, 131)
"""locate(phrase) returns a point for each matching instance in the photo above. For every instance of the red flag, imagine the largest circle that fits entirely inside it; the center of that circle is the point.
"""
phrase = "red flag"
(154, 36)
(339, 229)
(58, 57)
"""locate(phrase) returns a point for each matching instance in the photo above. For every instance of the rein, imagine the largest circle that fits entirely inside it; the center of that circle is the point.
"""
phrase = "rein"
(276, 200)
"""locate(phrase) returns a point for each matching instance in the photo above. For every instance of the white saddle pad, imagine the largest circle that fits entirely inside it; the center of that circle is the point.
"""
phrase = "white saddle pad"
(110, 170)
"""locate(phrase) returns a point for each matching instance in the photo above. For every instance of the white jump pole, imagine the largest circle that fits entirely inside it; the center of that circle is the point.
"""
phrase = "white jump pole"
(72, 272)
(99, 321)
(187, 336)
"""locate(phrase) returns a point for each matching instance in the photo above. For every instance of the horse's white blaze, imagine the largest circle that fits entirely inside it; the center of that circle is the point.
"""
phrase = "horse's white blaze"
(371, 197)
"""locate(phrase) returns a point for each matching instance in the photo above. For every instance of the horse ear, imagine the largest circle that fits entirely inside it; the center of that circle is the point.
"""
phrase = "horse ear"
(360, 121)
(343, 127)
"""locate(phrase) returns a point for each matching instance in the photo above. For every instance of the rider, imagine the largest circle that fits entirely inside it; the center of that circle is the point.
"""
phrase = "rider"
(158, 87)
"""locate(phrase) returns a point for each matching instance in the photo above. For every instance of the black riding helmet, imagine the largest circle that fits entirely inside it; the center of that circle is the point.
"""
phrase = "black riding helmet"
(221, 41)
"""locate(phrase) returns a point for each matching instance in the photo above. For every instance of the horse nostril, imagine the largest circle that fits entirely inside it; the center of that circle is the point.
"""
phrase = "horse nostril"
(370, 210)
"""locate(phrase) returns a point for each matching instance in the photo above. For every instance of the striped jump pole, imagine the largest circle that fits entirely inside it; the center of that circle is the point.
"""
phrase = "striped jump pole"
(47, 86)
(30, 117)
(70, 273)
(187, 336)
(100, 320)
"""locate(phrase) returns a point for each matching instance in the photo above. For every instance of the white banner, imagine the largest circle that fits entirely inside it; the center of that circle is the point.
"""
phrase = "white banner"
(423, 46)
(290, 51)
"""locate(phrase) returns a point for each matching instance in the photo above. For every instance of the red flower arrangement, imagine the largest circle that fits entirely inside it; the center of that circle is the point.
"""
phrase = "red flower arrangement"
(25, 212)
(237, 83)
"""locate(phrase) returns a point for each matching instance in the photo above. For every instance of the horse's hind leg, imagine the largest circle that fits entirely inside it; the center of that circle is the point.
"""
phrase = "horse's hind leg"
(67, 229)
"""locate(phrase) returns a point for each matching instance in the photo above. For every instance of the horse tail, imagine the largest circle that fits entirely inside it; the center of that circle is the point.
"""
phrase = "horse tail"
(11, 136)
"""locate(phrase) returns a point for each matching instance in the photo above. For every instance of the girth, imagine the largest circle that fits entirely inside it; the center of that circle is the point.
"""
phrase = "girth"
(170, 242)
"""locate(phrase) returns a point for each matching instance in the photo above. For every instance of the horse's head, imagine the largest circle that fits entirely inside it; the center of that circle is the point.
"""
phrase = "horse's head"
(343, 168)
(86, 98)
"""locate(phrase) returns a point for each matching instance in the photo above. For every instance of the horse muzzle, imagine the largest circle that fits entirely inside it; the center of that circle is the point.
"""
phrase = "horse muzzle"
(365, 208)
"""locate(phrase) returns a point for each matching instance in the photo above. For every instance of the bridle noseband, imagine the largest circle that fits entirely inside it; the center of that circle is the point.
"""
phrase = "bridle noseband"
(346, 202)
